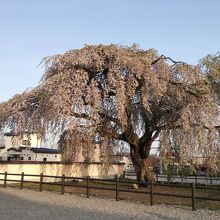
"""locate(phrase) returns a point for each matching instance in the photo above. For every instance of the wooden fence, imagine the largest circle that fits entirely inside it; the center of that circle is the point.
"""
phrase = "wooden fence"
(117, 182)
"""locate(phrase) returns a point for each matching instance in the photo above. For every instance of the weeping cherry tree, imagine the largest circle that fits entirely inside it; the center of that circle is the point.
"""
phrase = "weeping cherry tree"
(121, 96)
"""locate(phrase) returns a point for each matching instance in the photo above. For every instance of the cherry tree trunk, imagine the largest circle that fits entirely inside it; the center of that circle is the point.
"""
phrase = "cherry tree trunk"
(141, 165)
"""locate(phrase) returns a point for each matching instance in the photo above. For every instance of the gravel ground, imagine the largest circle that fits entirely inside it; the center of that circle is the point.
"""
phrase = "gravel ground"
(29, 204)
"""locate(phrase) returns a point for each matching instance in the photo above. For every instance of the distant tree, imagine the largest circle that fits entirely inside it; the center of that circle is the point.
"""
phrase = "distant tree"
(210, 65)
(120, 95)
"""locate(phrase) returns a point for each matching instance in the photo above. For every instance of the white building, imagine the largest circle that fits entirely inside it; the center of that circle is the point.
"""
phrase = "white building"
(26, 148)
(33, 154)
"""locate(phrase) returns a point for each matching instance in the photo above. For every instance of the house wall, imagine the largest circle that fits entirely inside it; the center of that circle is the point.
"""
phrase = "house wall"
(35, 141)
(128, 163)
(3, 154)
(16, 141)
(26, 153)
(73, 170)
(50, 157)
(29, 155)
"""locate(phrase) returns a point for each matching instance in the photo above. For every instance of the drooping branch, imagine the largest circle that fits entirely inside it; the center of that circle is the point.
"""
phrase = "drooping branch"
(112, 135)
(162, 57)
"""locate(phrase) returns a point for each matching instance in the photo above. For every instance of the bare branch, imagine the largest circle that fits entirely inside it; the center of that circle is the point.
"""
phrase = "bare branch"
(162, 57)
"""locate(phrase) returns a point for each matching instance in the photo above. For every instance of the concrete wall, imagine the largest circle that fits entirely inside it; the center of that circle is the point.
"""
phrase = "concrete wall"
(73, 170)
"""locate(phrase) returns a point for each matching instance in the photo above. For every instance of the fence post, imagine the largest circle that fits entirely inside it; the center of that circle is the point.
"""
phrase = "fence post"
(196, 177)
(117, 187)
(210, 179)
(22, 180)
(87, 187)
(5, 179)
(123, 175)
(63, 185)
(151, 194)
(193, 196)
(41, 182)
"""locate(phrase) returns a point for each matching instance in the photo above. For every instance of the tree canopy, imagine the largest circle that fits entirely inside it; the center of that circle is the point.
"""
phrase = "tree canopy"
(120, 94)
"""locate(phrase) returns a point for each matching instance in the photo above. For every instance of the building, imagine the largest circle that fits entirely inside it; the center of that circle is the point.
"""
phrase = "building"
(33, 154)
(123, 158)
(26, 148)
(29, 148)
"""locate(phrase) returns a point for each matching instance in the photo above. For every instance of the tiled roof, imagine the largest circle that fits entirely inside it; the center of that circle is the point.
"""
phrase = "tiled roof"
(14, 149)
(44, 150)
(9, 134)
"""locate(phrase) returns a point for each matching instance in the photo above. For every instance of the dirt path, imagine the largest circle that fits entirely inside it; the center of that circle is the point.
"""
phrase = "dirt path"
(28, 204)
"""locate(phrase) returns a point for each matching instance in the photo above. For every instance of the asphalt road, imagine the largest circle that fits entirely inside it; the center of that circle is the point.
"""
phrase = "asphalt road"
(201, 180)
(27, 204)
(189, 179)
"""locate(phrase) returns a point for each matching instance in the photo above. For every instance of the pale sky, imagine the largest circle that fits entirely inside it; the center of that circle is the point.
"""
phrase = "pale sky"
(185, 30)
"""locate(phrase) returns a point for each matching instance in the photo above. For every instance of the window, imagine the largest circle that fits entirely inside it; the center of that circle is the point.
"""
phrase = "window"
(44, 159)
(25, 142)
(22, 158)
(29, 158)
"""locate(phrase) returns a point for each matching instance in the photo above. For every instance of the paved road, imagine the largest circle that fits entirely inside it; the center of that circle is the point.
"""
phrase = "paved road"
(26, 204)
(201, 180)
(189, 179)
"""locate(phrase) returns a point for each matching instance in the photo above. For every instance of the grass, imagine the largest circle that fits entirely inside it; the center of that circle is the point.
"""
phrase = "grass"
(142, 197)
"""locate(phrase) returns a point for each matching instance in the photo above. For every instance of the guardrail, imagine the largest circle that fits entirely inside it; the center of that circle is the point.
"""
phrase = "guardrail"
(117, 182)
(165, 178)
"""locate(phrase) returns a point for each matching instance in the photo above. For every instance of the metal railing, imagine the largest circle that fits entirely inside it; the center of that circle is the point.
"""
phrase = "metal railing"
(197, 179)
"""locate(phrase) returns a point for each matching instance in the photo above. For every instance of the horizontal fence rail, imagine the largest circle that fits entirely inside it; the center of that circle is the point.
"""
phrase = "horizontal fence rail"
(118, 186)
